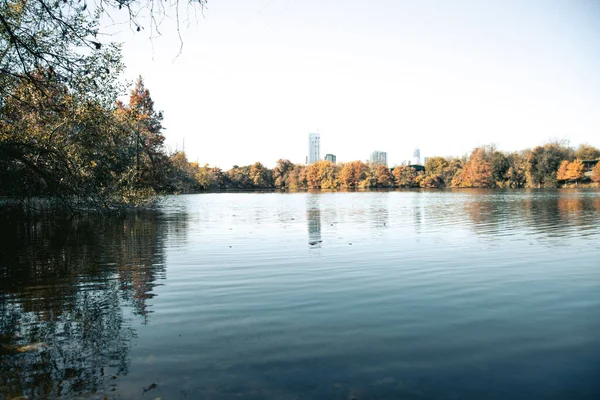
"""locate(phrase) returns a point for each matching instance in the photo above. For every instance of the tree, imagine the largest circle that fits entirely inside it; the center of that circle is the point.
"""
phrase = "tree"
(516, 174)
(587, 152)
(260, 176)
(383, 176)
(596, 173)
(64, 38)
(436, 165)
(297, 177)
(543, 163)
(405, 176)
(500, 167)
(476, 172)
(563, 171)
(281, 173)
(145, 125)
(352, 173)
(431, 181)
(576, 171)
(71, 147)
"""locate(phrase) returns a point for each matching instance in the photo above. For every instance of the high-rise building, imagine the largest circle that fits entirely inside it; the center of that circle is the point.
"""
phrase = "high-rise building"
(314, 147)
(425, 160)
(416, 160)
(330, 157)
(378, 157)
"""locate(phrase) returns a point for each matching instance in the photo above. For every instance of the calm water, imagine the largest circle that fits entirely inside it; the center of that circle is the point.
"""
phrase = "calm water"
(377, 295)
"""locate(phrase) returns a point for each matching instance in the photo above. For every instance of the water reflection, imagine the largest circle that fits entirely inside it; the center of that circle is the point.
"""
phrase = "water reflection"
(401, 287)
(66, 283)
(313, 219)
(546, 214)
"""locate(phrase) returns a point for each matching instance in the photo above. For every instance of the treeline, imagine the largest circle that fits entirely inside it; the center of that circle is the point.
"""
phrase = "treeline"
(61, 144)
(545, 166)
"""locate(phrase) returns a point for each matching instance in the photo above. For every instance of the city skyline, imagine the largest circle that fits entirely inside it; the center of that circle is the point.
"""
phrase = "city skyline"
(373, 73)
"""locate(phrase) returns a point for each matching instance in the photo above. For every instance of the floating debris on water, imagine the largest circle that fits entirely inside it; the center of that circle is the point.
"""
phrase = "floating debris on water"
(153, 386)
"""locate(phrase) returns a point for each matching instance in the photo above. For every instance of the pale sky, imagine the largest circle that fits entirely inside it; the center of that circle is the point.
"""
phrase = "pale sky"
(256, 76)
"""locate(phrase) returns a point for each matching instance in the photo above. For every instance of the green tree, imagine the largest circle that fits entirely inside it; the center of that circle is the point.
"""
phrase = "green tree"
(516, 173)
(500, 166)
(587, 152)
(543, 163)
(436, 165)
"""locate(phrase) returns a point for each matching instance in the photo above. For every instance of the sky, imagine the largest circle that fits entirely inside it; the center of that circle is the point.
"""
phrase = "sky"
(255, 77)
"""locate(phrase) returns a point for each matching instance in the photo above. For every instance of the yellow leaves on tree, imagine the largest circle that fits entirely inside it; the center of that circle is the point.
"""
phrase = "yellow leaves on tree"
(563, 171)
(596, 173)
(353, 173)
(477, 171)
(576, 170)
(571, 171)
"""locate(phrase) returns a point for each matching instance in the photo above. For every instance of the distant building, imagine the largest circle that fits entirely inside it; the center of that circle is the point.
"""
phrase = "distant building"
(314, 147)
(330, 158)
(416, 160)
(378, 158)
(425, 160)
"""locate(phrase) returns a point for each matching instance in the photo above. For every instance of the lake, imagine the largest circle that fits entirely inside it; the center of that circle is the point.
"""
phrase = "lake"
(351, 295)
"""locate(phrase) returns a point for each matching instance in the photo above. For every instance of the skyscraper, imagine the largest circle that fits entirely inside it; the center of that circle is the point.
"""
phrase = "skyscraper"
(314, 147)
(416, 160)
(379, 157)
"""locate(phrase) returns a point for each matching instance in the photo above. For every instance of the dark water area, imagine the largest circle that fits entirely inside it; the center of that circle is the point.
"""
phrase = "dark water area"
(365, 295)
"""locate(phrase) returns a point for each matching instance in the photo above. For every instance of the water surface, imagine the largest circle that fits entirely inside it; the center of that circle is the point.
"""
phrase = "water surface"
(366, 295)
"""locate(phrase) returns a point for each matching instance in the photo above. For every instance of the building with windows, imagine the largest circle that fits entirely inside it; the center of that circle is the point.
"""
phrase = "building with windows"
(416, 160)
(314, 148)
(330, 158)
(378, 158)
(425, 160)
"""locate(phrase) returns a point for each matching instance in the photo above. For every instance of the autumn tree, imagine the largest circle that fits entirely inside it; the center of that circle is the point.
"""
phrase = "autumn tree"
(384, 177)
(297, 177)
(352, 173)
(260, 176)
(477, 171)
(431, 182)
(576, 170)
(563, 171)
(405, 176)
(321, 174)
(435, 165)
(70, 147)
(281, 173)
(596, 173)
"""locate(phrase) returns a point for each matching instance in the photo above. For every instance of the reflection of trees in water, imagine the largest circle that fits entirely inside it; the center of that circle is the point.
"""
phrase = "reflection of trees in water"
(64, 284)
(548, 213)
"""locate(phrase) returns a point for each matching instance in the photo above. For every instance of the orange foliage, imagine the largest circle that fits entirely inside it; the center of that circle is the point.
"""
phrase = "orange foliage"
(477, 172)
(353, 173)
(563, 171)
(596, 173)
(576, 170)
